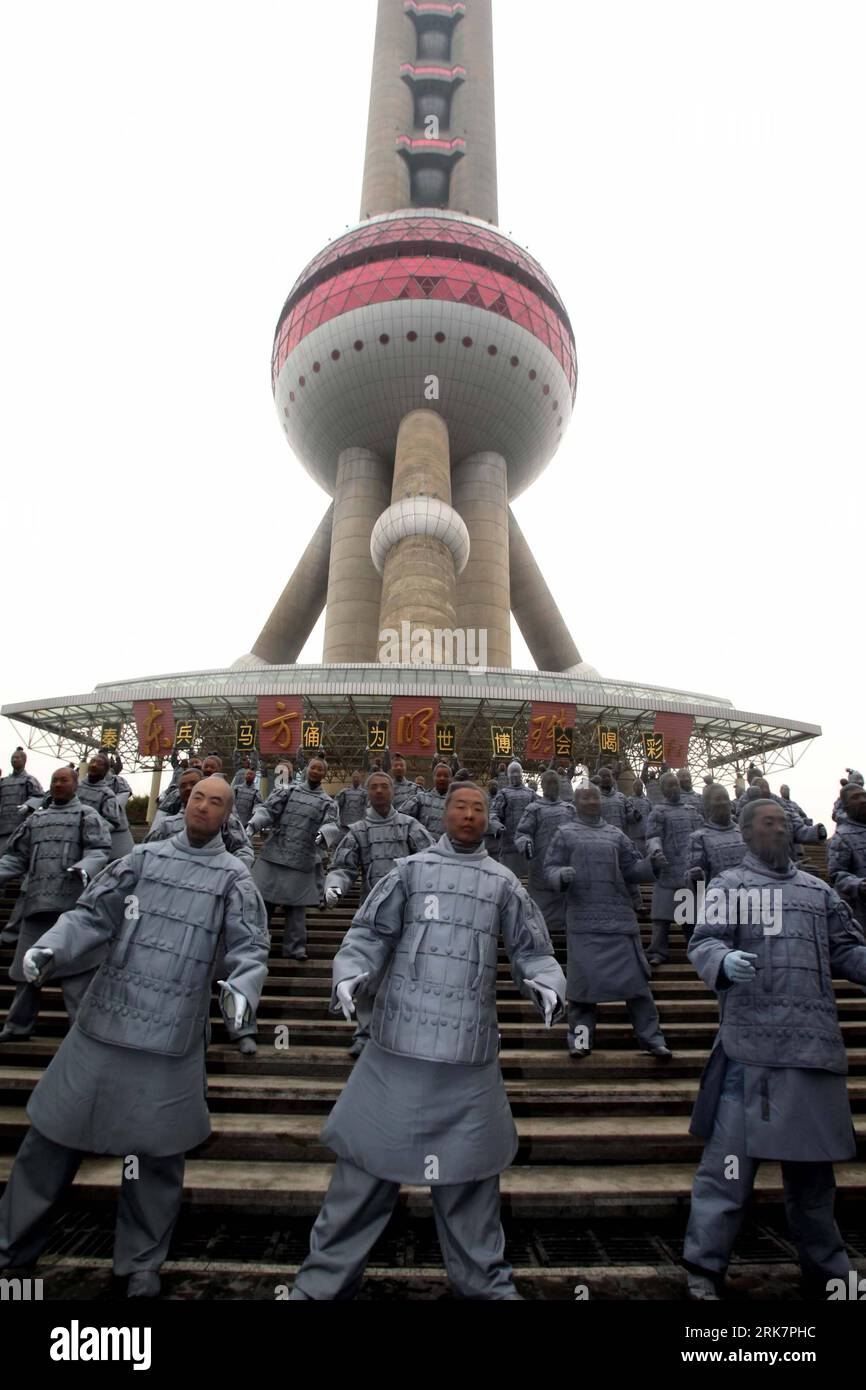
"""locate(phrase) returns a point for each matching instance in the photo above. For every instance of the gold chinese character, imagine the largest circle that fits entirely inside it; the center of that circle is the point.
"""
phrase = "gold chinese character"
(282, 735)
(154, 732)
(609, 740)
(109, 738)
(245, 734)
(445, 738)
(655, 747)
(502, 742)
(376, 735)
(406, 727)
(311, 734)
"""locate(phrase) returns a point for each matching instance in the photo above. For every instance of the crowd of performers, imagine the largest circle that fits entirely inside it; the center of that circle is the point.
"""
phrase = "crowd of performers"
(138, 937)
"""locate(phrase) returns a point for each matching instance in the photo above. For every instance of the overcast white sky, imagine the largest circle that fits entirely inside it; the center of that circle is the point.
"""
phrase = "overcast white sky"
(690, 174)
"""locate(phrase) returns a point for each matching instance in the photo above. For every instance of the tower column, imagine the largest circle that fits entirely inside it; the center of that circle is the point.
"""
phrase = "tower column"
(386, 175)
(480, 495)
(420, 543)
(297, 610)
(473, 115)
(354, 587)
(535, 609)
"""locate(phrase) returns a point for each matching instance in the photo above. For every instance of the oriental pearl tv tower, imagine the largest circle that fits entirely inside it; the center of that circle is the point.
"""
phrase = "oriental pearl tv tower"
(424, 373)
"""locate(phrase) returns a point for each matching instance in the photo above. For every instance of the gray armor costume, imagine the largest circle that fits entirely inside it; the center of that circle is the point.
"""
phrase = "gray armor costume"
(100, 795)
(15, 790)
(537, 826)
(351, 805)
(774, 1087)
(428, 936)
(129, 1077)
(288, 870)
(715, 848)
(846, 862)
(793, 809)
(505, 813)
(52, 841)
(669, 828)
(431, 811)
(406, 796)
(247, 800)
(234, 836)
(371, 847)
(636, 828)
(616, 810)
(605, 958)
(121, 837)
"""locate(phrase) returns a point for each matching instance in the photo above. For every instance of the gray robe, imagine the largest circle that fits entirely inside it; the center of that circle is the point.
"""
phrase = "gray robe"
(537, 826)
(605, 957)
(428, 1085)
(783, 1026)
(121, 1097)
(846, 864)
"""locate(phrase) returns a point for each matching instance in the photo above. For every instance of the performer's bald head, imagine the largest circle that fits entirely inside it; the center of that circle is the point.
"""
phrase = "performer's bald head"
(210, 803)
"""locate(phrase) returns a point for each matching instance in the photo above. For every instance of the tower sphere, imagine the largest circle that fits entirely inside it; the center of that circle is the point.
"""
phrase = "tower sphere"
(427, 309)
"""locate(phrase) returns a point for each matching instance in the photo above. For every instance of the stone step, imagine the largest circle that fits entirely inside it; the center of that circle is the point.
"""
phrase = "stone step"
(560, 1191)
(543, 1139)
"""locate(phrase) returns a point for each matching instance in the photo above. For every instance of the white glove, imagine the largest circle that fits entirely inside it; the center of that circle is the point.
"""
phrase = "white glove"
(332, 896)
(345, 990)
(240, 1002)
(546, 999)
(528, 849)
(35, 964)
(566, 876)
(82, 873)
(738, 967)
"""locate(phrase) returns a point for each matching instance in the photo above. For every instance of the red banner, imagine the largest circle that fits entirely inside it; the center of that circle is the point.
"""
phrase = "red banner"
(154, 720)
(677, 730)
(542, 722)
(413, 726)
(280, 719)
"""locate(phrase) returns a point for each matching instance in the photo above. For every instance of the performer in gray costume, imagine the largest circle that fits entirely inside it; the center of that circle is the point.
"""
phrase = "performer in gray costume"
(425, 945)
(406, 793)
(100, 784)
(846, 852)
(129, 1078)
(688, 795)
(591, 864)
(616, 809)
(774, 1087)
(235, 840)
(718, 845)
(16, 790)
(641, 807)
(351, 802)
(121, 838)
(233, 833)
(669, 829)
(370, 848)
(852, 777)
(430, 810)
(247, 796)
(59, 849)
(302, 816)
(791, 806)
(543, 817)
(508, 806)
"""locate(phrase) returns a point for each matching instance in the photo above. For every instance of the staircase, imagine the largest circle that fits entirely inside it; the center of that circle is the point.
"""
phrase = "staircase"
(598, 1193)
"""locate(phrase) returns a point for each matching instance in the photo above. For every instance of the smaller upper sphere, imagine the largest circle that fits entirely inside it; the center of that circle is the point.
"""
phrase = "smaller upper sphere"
(424, 309)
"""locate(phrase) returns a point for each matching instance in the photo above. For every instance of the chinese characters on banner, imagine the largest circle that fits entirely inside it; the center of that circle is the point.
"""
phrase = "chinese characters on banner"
(280, 719)
(563, 741)
(245, 735)
(154, 720)
(676, 730)
(446, 739)
(413, 726)
(377, 735)
(502, 740)
(653, 748)
(110, 737)
(312, 735)
(608, 740)
(186, 734)
(542, 725)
